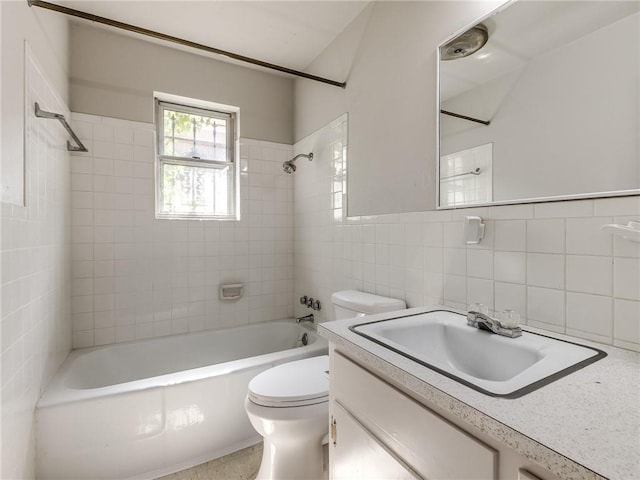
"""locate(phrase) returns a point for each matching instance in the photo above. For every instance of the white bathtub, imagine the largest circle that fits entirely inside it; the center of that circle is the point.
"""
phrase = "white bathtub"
(148, 408)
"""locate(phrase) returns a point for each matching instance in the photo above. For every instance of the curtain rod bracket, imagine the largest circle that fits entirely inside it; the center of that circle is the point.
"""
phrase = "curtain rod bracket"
(180, 41)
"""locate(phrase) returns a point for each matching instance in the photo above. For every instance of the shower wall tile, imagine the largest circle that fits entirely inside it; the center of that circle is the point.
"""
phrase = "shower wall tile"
(549, 261)
(35, 264)
(138, 277)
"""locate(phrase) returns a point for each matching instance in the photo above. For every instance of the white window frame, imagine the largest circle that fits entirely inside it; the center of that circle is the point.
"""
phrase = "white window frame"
(210, 109)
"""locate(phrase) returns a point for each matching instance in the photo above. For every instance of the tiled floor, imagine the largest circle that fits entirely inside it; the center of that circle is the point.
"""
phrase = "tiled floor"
(241, 465)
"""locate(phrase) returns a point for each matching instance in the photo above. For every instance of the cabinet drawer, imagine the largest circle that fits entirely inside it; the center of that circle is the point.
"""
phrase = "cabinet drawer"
(430, 445)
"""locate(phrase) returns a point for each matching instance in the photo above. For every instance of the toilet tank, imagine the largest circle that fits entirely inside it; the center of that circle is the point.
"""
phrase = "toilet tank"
(352, 303)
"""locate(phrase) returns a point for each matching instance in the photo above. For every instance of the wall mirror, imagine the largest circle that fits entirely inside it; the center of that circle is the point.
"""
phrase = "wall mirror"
(539, 101)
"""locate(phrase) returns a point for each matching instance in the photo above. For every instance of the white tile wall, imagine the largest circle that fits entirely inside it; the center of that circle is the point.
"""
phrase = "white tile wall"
(545, 270)
(589, 274)
(545, 236)
(549, 261)
(590, 316)
(510, 267)
(511, 235)
(137, 277)
(35, 257)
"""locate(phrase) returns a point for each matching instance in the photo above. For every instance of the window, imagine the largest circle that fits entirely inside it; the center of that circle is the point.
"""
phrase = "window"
(196, 168)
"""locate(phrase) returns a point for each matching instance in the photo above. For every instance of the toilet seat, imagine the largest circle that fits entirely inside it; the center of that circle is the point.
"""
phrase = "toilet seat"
(293, 384)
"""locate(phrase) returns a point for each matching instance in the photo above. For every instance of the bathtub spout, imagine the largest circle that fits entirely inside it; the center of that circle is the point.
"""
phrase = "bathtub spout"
(306, 318)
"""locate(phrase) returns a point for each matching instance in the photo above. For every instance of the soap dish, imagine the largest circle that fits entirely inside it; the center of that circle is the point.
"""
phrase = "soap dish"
(630, 231)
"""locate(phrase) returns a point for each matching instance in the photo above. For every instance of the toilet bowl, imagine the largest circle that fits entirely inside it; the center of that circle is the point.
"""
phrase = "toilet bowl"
(289, 404)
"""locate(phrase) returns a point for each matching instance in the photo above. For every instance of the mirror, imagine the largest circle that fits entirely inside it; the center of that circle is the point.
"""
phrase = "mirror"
(540, 102)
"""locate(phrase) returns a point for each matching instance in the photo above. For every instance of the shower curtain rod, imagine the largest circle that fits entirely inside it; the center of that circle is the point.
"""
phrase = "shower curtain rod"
(180, 41)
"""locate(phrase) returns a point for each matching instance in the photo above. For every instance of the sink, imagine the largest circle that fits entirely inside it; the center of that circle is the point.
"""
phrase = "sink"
(492, 364)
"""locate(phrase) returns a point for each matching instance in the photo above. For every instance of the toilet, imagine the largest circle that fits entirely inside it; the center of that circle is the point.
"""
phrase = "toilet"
(288, 405)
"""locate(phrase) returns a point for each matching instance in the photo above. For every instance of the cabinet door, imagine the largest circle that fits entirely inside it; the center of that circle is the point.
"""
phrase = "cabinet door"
(432, 446)
(355, 453)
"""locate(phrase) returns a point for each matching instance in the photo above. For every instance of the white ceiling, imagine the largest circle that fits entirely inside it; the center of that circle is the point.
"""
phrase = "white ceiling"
(287, 33)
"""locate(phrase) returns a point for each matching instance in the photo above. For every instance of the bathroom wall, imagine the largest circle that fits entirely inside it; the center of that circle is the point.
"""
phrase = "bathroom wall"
(319, 194)
(550, 262)
(388, 58)
(115, 76)
(47, 34)
(35, 249)
(137, 277)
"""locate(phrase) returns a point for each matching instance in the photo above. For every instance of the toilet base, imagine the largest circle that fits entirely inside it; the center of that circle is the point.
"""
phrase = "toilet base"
(292, 461)
(293, 437)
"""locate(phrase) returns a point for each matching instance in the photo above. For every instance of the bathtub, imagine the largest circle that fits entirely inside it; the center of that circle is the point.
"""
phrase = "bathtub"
(148, 408)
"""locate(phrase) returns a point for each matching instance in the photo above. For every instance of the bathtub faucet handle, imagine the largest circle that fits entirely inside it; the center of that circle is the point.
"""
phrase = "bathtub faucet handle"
(306, 318)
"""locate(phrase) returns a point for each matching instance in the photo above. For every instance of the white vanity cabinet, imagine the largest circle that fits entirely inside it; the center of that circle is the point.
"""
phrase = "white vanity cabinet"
(360, 454)
(379, 432)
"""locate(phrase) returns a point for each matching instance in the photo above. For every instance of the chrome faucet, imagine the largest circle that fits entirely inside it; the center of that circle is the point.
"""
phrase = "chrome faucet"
(306, 318)
(485, 322)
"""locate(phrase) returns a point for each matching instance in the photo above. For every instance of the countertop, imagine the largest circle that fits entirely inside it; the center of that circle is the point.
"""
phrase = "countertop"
(583, 426)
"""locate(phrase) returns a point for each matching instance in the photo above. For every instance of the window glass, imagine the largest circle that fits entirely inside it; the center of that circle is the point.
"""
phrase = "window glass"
(196, 169)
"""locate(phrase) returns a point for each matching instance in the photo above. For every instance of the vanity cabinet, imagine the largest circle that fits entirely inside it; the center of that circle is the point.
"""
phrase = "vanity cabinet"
(360, 454)
(379, 432)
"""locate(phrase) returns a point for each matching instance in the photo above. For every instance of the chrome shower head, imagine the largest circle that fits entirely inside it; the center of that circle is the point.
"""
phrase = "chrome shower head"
(289, 167)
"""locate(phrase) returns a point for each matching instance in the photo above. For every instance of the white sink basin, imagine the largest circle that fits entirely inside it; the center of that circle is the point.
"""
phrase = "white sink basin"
(493, 364)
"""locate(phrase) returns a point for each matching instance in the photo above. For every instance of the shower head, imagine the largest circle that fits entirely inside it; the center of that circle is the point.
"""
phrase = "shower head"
(465, 44)
(289, 167)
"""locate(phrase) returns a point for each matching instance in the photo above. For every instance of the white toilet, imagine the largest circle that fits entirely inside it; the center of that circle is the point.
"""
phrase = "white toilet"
(289, 404)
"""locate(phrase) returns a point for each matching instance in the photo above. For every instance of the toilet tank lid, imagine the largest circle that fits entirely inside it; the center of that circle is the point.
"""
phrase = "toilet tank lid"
(366, 302)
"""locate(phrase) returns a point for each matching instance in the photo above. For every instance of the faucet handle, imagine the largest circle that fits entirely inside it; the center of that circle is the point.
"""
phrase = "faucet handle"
(508, 318)
(480, 308)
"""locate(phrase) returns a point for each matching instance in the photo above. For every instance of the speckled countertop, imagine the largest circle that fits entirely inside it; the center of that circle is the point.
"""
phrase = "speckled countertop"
(583, 426)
